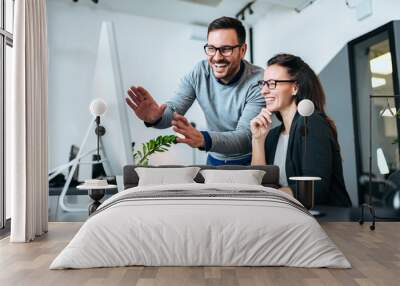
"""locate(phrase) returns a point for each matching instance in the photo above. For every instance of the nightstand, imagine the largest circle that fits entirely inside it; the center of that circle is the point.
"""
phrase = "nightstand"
(305, 190)
(96, 193)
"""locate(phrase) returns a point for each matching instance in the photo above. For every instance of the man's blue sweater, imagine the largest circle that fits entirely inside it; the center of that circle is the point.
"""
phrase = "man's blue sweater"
(228, 108)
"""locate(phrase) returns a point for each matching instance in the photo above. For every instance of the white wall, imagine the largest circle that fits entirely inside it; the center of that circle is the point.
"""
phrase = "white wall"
(319, 32)
(153, 53)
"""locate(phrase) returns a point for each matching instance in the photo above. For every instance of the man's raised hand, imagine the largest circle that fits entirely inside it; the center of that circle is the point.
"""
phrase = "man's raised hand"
(181, 125)
(144, 105)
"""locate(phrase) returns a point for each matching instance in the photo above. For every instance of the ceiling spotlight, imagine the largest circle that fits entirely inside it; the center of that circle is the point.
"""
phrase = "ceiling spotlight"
(242, 12)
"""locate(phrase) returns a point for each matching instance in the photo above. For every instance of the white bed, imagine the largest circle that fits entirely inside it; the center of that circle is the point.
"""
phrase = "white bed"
(222, 225)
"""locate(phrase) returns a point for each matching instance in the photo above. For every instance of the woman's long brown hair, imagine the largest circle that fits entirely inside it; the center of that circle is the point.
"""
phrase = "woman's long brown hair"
(308, 83)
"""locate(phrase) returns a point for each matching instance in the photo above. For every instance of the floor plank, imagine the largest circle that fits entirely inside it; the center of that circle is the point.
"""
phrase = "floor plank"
(374, 255)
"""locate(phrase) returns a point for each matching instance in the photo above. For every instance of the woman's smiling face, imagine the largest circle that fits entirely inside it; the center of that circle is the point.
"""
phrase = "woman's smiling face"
(282, 95)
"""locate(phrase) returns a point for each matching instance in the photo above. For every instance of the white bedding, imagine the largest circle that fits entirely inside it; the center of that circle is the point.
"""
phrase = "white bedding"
(183, 231)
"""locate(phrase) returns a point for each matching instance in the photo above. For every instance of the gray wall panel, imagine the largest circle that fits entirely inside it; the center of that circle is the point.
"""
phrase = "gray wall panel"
(335, 78)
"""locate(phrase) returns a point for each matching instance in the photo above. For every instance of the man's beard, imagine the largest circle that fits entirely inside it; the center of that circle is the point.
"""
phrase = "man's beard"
(221, 68)
(221, 62)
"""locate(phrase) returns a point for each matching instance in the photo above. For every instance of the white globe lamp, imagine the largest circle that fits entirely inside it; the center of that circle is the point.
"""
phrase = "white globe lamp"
(98, 107)
(305, 107)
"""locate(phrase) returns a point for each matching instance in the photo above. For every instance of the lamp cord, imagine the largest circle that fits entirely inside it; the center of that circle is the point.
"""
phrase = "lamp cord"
(98, 137)
(305, 142)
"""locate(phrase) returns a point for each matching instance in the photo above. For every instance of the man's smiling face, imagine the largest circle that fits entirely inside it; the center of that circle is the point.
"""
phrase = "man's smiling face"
(225, 67)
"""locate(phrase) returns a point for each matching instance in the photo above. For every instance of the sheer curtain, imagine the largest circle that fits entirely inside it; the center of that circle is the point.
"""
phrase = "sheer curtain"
(27, 122)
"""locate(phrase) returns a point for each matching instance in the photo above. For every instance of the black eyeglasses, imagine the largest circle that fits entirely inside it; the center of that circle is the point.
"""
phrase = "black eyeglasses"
(272, 83)
(224, 50)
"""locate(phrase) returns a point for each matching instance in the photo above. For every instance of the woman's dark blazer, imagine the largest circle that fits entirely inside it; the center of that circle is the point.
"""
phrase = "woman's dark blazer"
(322, 158)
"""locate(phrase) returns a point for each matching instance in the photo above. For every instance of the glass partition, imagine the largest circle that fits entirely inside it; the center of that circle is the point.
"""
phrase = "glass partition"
(373, 74)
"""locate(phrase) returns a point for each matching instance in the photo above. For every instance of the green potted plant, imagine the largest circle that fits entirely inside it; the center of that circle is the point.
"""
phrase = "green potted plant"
(160, 144)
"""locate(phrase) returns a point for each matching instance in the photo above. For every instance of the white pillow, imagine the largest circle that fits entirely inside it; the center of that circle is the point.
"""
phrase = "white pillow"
(249, 177)
(166, 176)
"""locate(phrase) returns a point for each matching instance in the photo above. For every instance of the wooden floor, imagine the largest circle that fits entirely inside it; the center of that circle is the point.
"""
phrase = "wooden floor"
(374, 255)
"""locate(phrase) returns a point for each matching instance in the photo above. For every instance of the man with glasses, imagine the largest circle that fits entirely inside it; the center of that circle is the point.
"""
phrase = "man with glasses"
(225, 85)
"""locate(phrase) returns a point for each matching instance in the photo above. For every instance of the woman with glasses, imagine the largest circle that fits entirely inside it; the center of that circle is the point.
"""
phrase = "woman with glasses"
(288, 80)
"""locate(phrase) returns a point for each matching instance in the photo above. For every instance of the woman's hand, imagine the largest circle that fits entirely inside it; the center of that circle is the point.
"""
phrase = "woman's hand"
(261, 124)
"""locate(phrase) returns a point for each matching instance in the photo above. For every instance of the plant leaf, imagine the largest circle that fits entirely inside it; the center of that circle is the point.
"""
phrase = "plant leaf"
(159, 144)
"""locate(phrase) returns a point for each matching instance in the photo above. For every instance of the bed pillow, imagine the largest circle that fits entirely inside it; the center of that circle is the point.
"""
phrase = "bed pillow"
(249, 177)
(166, 176)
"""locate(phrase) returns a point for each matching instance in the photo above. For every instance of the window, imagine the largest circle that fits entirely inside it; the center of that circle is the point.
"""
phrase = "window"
(6, 44)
